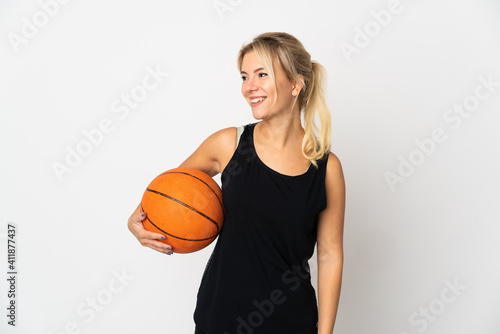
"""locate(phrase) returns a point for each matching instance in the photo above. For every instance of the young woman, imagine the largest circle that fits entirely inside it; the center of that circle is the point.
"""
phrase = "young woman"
(283, 192)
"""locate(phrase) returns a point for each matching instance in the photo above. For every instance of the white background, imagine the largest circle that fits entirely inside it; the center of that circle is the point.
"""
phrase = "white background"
(403, 246)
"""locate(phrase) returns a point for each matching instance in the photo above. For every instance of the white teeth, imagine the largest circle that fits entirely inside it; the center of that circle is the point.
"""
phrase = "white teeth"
(258, 99)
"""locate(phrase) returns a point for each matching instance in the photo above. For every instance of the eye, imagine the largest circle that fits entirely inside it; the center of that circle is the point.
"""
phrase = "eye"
(262, 74)
(243, 78)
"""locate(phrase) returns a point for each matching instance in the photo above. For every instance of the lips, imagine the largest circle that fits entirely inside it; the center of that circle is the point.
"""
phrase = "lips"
(255, 101)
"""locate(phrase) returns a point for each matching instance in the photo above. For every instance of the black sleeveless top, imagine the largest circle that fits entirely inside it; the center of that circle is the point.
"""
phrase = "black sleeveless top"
(257, 279)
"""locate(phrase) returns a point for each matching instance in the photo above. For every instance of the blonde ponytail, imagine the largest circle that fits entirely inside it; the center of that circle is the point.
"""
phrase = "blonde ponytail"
(315, 147)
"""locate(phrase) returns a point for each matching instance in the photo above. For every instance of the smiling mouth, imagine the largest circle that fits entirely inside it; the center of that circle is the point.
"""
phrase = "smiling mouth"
(256, 101)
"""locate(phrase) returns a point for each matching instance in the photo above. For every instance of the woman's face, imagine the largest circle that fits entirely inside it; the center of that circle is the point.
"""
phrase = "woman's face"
(259, 91)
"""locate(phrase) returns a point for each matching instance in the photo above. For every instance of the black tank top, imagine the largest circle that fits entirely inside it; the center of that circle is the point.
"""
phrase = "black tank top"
(257, 279)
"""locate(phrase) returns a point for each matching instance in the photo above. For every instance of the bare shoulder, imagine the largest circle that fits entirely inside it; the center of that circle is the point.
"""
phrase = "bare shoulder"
(225, 138)
(334, 173)
(211, 155)
(226, 143)
(223, 143)
(333, 166)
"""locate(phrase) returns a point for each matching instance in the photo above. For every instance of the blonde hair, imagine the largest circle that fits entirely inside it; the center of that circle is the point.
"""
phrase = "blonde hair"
(296, 62)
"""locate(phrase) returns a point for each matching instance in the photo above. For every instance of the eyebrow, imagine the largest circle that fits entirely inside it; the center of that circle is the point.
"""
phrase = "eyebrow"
(257, 70)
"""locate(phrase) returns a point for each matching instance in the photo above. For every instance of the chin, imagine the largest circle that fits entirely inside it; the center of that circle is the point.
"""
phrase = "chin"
(258, 114)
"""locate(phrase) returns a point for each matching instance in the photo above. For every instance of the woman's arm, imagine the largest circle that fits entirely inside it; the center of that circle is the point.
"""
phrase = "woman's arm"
(210, 157)
(214, 153)
(330, 246)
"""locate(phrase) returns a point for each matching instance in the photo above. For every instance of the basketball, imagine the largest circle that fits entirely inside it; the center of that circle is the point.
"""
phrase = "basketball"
(185, 205)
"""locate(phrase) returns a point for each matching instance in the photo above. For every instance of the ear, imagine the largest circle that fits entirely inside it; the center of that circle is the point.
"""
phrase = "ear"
(297, 85)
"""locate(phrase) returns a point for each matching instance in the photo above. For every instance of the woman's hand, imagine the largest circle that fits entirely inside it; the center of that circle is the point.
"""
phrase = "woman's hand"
(145, 237)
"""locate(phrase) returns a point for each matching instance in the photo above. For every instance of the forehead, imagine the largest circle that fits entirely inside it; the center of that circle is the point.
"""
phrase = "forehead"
(251, 62)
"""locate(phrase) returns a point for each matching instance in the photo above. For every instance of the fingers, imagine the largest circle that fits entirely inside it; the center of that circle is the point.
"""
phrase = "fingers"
(141, 232)
(157, 246)
(148, 238)
(139, 216)
(135, 223)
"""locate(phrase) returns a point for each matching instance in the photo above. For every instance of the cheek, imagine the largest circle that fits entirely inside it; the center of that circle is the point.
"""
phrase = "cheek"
(275, 93)
(269, 89)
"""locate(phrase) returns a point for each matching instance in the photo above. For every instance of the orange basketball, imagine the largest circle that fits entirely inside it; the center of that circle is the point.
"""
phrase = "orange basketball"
(185, 205)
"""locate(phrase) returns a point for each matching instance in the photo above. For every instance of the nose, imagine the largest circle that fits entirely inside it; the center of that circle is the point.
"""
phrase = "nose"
(250, 85)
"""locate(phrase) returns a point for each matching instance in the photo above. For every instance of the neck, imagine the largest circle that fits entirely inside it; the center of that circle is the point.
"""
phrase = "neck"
(280, 132)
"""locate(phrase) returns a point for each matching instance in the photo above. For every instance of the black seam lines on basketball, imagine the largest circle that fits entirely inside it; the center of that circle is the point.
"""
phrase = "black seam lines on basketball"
(187, 206)
(220, 202)
(174, 236)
